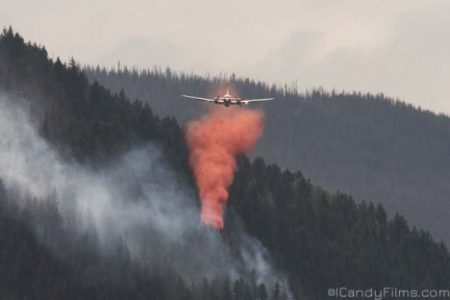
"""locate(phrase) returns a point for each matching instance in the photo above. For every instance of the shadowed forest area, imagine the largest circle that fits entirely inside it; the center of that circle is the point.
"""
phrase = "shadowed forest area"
(370, 146)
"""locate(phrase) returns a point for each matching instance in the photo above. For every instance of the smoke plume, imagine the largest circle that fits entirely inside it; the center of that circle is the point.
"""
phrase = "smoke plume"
(138, 200)
(214, 141)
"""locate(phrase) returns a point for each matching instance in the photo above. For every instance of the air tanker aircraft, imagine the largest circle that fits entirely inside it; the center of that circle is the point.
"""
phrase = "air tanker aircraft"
(227, 100)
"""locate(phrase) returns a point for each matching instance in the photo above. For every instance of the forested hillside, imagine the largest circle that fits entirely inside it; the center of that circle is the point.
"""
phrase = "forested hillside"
(57, 259)
(370, 146)
(319, 240)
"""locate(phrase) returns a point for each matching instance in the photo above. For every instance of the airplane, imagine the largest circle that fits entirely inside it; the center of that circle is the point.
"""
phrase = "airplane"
(227, 100)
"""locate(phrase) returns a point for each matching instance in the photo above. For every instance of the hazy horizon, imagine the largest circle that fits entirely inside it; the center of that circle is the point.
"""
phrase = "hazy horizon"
(398, 48)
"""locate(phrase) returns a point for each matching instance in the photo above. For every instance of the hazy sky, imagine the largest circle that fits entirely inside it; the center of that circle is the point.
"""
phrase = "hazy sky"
(398, 47)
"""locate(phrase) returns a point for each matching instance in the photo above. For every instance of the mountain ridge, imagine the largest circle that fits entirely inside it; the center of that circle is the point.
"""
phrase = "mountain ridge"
(318, 239)
(370, 146)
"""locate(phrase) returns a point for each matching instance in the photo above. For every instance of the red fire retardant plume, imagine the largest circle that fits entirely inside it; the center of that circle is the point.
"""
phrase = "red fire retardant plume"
(214, 141)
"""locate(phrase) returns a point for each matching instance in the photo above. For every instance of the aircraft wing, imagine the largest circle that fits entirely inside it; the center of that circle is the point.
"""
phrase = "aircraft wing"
(258, 100)
(198, 98)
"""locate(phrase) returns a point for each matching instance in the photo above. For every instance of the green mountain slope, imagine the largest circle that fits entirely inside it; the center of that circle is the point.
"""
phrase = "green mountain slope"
(319, 240)
(370, 146)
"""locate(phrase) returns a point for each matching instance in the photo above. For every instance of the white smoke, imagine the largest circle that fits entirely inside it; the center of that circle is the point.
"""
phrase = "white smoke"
(137, 200)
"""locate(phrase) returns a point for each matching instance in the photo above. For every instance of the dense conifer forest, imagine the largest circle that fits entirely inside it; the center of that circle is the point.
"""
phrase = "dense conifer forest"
(370, 146)
(318, 239)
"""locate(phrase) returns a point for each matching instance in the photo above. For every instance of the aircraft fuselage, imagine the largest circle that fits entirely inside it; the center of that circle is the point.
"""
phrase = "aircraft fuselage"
(227, 101)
